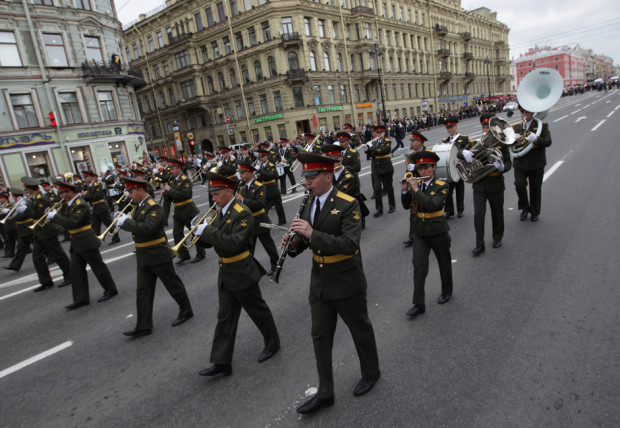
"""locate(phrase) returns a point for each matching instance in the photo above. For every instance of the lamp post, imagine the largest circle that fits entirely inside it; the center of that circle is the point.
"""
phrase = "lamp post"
(377, 53)
(487, 61)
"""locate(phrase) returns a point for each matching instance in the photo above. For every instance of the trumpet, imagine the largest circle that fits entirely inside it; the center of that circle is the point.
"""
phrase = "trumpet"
(196, 175)
(372, 142)
(113, 228)
(43, 220)
(409, 175)
(209, 217)
(306, 149)
(11, 214)
(121, 200)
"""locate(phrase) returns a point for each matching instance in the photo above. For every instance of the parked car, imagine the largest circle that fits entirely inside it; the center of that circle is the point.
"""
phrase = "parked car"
(511, 106)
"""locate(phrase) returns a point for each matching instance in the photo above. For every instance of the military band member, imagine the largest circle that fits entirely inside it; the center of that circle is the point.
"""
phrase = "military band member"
(165, 175)
(231, 236)
(267, 175)
(430, 229)
(48, 191)
(355, 136)
(531, 166)
(45, 242)
(252, 194)
(462, 142)
(227, 166)
(8, 228)
(153, 257)
(245, 155)
(179, 190)
(84, 248)
(95, 195)
(351, 161)
(287, 156)
(343, 179)
(141, 175)
(25, 236)
(382, 169)
(490, 188)
(416, 144)
(331, 227)
(272, 154)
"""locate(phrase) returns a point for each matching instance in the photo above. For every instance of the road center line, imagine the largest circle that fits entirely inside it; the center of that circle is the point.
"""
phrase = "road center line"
(563, 117)
(552, 170)
(34, 359)
(576, 111)
(599, 124)
(612, 112)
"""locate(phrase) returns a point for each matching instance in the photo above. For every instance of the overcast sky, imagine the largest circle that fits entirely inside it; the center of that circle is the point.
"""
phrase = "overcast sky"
(593, 24)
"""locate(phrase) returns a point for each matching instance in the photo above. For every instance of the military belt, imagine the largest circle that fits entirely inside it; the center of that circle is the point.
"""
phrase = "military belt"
(331, 259)
(178, 204)
(236, 258)
(269, 182)
(494, 174)
(81, 229)
(430, 215)
(30, 220)
(150, 243)
(259, 212)
(382, 157)
(98, 202)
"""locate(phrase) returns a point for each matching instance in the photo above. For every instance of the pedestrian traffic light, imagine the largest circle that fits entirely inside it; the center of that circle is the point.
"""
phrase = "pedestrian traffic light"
(191, 146)
(52, 117)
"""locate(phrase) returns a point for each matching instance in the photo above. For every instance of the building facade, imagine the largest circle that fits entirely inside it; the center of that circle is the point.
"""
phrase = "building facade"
(568, 61)
(223, 72)
(68, 98)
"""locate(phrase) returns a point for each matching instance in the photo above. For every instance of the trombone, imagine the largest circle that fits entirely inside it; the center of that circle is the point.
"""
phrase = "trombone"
(121, 200)
(11, 214)
(209, 217)
(113, 228)
(43, 220)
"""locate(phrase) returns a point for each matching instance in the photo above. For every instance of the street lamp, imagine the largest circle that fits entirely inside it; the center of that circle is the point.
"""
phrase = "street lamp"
(488, 63)
(377, 53)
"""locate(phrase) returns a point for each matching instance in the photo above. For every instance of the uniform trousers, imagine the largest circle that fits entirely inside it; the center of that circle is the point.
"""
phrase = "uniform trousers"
(167, 203)
(277, 202)
(496, 202)
(535, 180)
(23, 248)
(230, 305)
(145, 292)
(291, 177)
(103, 218)
(178, 232)
(269, 245)
(460, 197)
(79, 276)
(353, 311)
(380, 183)
(49, 249)
(422, 246)
(10, 238)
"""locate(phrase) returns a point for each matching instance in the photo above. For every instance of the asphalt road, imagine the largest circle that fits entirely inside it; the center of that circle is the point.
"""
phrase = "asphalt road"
(528, 339)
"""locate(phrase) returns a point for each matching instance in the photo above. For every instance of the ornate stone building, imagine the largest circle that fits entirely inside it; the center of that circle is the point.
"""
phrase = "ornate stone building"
(63, 61)
(224, 72)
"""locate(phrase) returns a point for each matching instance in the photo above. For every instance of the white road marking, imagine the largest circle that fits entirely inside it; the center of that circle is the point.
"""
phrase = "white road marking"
(612, 112)
(18, 292)
(34, 359)
(617, 107)
(576, 111)
(552, 170)
(563, 117)
(599, 124)
(580, 118)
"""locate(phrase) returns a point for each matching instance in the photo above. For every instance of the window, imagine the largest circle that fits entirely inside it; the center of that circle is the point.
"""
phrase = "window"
(220, 12)
(216, 50)
(307, 27)
(156, 72)
(220, 78)
(136, 53)
(148, 103)
(339, 61)
(160, 39)
(343, 93)
(9, 54)
(326, 61)
(293, 63)
(165, 66)
(263, 103)
(151, 43)
(330, 92)
(312, 61)
(162, 99)
(173, 98)
(251, 110)
(55, 49)
(182, 59)
(198, 18)
(210, 21)
(317, 95)
(287, 25)
(266, 30)
(335, 27)
(252, 36)
(203, 52)
(93, 49)
(321, 28)
(187, 89)
(277, 101)
(352, 62)
(233, 77)
(227, 47)
(258, 70)
(106, 104)
(82, 4)
(273, 70)
(24, 111)
(245, 73)
(239, 109)
(210, 84)
(239, 41)
(44, 2)
(298, 97)
(356, 92)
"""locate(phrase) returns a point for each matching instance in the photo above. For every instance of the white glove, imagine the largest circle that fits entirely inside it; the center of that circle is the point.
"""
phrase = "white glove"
(121, 219)
(369, 144)
(20, 209)
(5, 210)
(469, 156)
(411, 167)
(517, 136)
(51, 214)
(219, 164)
(499, 165)
(531, 138)
(201, 227)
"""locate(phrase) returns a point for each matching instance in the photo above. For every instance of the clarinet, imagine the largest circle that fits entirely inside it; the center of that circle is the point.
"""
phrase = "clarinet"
(276, 274)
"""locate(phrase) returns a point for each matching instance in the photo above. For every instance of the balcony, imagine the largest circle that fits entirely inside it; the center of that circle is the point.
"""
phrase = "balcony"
(296, 75)
(445, 75)
(469, 75)
(500, 43)
(100, 72)
(176, 39)
(291, 39)
(440, 30)
(468, 56)
(443, 53)
(466, 36)
(362, 9)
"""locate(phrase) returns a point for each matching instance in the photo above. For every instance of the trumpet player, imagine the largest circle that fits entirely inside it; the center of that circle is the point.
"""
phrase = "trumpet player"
(430, 229)
(179, 190)
(94, 194)
(416, 144)
(153, 258)
(267, 174)
(227, 166)
(382, 170)
(462, 142)
(25, 235)
(230, 234)
(286, 156)
(84, 247)
(45, 244)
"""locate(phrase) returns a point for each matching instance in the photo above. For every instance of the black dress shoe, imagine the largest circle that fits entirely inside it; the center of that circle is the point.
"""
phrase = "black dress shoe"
(378, 214)
(197, 259)
(314, 404)
(448, 215)
(11, 268)
(460, 214)
(106, 297)
(364, 386)
(294, 190)
(524, 214)
(266, 354)
(137, 333)
(391, 210)
(181, 320)
(225, 369)
(76, 305)
(181, 261)
(416, 310)
(408, 242)
(43, 287)
(478, 250)
(444, 298)
(497, 244)
(114, 241)
(534, 217)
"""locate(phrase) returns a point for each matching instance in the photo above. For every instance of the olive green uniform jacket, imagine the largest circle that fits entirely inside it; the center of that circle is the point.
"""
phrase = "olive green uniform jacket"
(536, 158)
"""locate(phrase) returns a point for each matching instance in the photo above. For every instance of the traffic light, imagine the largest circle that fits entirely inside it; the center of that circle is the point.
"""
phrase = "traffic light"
(191, 146)
(52, 117)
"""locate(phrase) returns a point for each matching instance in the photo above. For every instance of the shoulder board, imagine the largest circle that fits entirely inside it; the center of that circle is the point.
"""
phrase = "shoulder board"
(352, 150)
(344, 196)
(238, 208)
(231, 157)
(446, 139)
(544, 123)
(183, 177)
(78, 201)
(38, 196)
(151, 202)
(347, 175)
(440, 183)
(464, 135)
(258, 183)
(270, 164)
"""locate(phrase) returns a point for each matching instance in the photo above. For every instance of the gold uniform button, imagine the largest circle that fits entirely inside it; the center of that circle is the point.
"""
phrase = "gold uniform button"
(318, 252)
(321, 265)
(220, 265)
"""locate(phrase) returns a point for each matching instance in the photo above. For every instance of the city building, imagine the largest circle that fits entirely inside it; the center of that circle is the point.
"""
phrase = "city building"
(568, 61)
(223, 72)
(68, 97)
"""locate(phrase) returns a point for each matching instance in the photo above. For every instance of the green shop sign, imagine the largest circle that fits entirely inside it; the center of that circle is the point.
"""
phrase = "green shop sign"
(268, 118)
(327, 109)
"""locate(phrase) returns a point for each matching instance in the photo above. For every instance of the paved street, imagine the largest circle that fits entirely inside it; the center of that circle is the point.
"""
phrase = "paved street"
(530, 337)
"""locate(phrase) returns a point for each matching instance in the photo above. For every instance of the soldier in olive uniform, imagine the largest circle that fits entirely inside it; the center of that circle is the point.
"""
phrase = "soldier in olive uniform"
(8, 228)
(153, 257)
(141, 175)
(462, 142)
(382, 169)
(25, 236)
(430, 229)
(416, 144)
(84, 247)
(287, 157)
(45, 243)
(355, 136)
(227, 166)
(231, 236)
(531, 166)
(252, 194)
(343, 179)
(489, 188)
(95, 195)
(351, 161)
(330, 226)
(179, 190)
(267, 174)
(165, 175)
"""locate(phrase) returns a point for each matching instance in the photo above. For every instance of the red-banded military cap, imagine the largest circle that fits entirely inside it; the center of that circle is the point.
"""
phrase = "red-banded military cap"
(133, 183)
(246, 165)
(63, 186)
(313, 164)
(224, 149)
(310, 136)
(263, 152)
(89, 173)
(123, 171)
(450, 121)
(30, 183)
(17, 193)
(380, 128)
(343, 136)
(416, 135)
(485, 118)
(333, 151)
(137, 171)
(347, 125)
(176, 162)
(209, 155)
(425, 157)
(284, 140)
(163, 158)
(118, 165)
(217, 182)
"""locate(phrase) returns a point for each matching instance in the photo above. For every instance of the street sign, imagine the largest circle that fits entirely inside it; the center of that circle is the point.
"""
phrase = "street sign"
(227, 119)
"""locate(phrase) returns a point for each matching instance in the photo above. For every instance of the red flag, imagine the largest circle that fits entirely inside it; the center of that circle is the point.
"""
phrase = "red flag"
(315, 120)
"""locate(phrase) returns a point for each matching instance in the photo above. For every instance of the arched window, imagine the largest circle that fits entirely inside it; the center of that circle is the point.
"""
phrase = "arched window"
(245, 73)
(220, 78)
(312, 61)
(326, 61)
(233, 77)
(273, 70)
(293, 62)
(258, 70)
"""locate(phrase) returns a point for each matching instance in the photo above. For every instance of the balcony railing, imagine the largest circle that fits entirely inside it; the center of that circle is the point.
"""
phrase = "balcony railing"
(175, 39)
(362, 9)
(469, 75)
(441, 30)
(468, 56)
(443, 52)
(445, 75)
(291, 38)
(101, 72)
(466, 36)
(296, 74)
